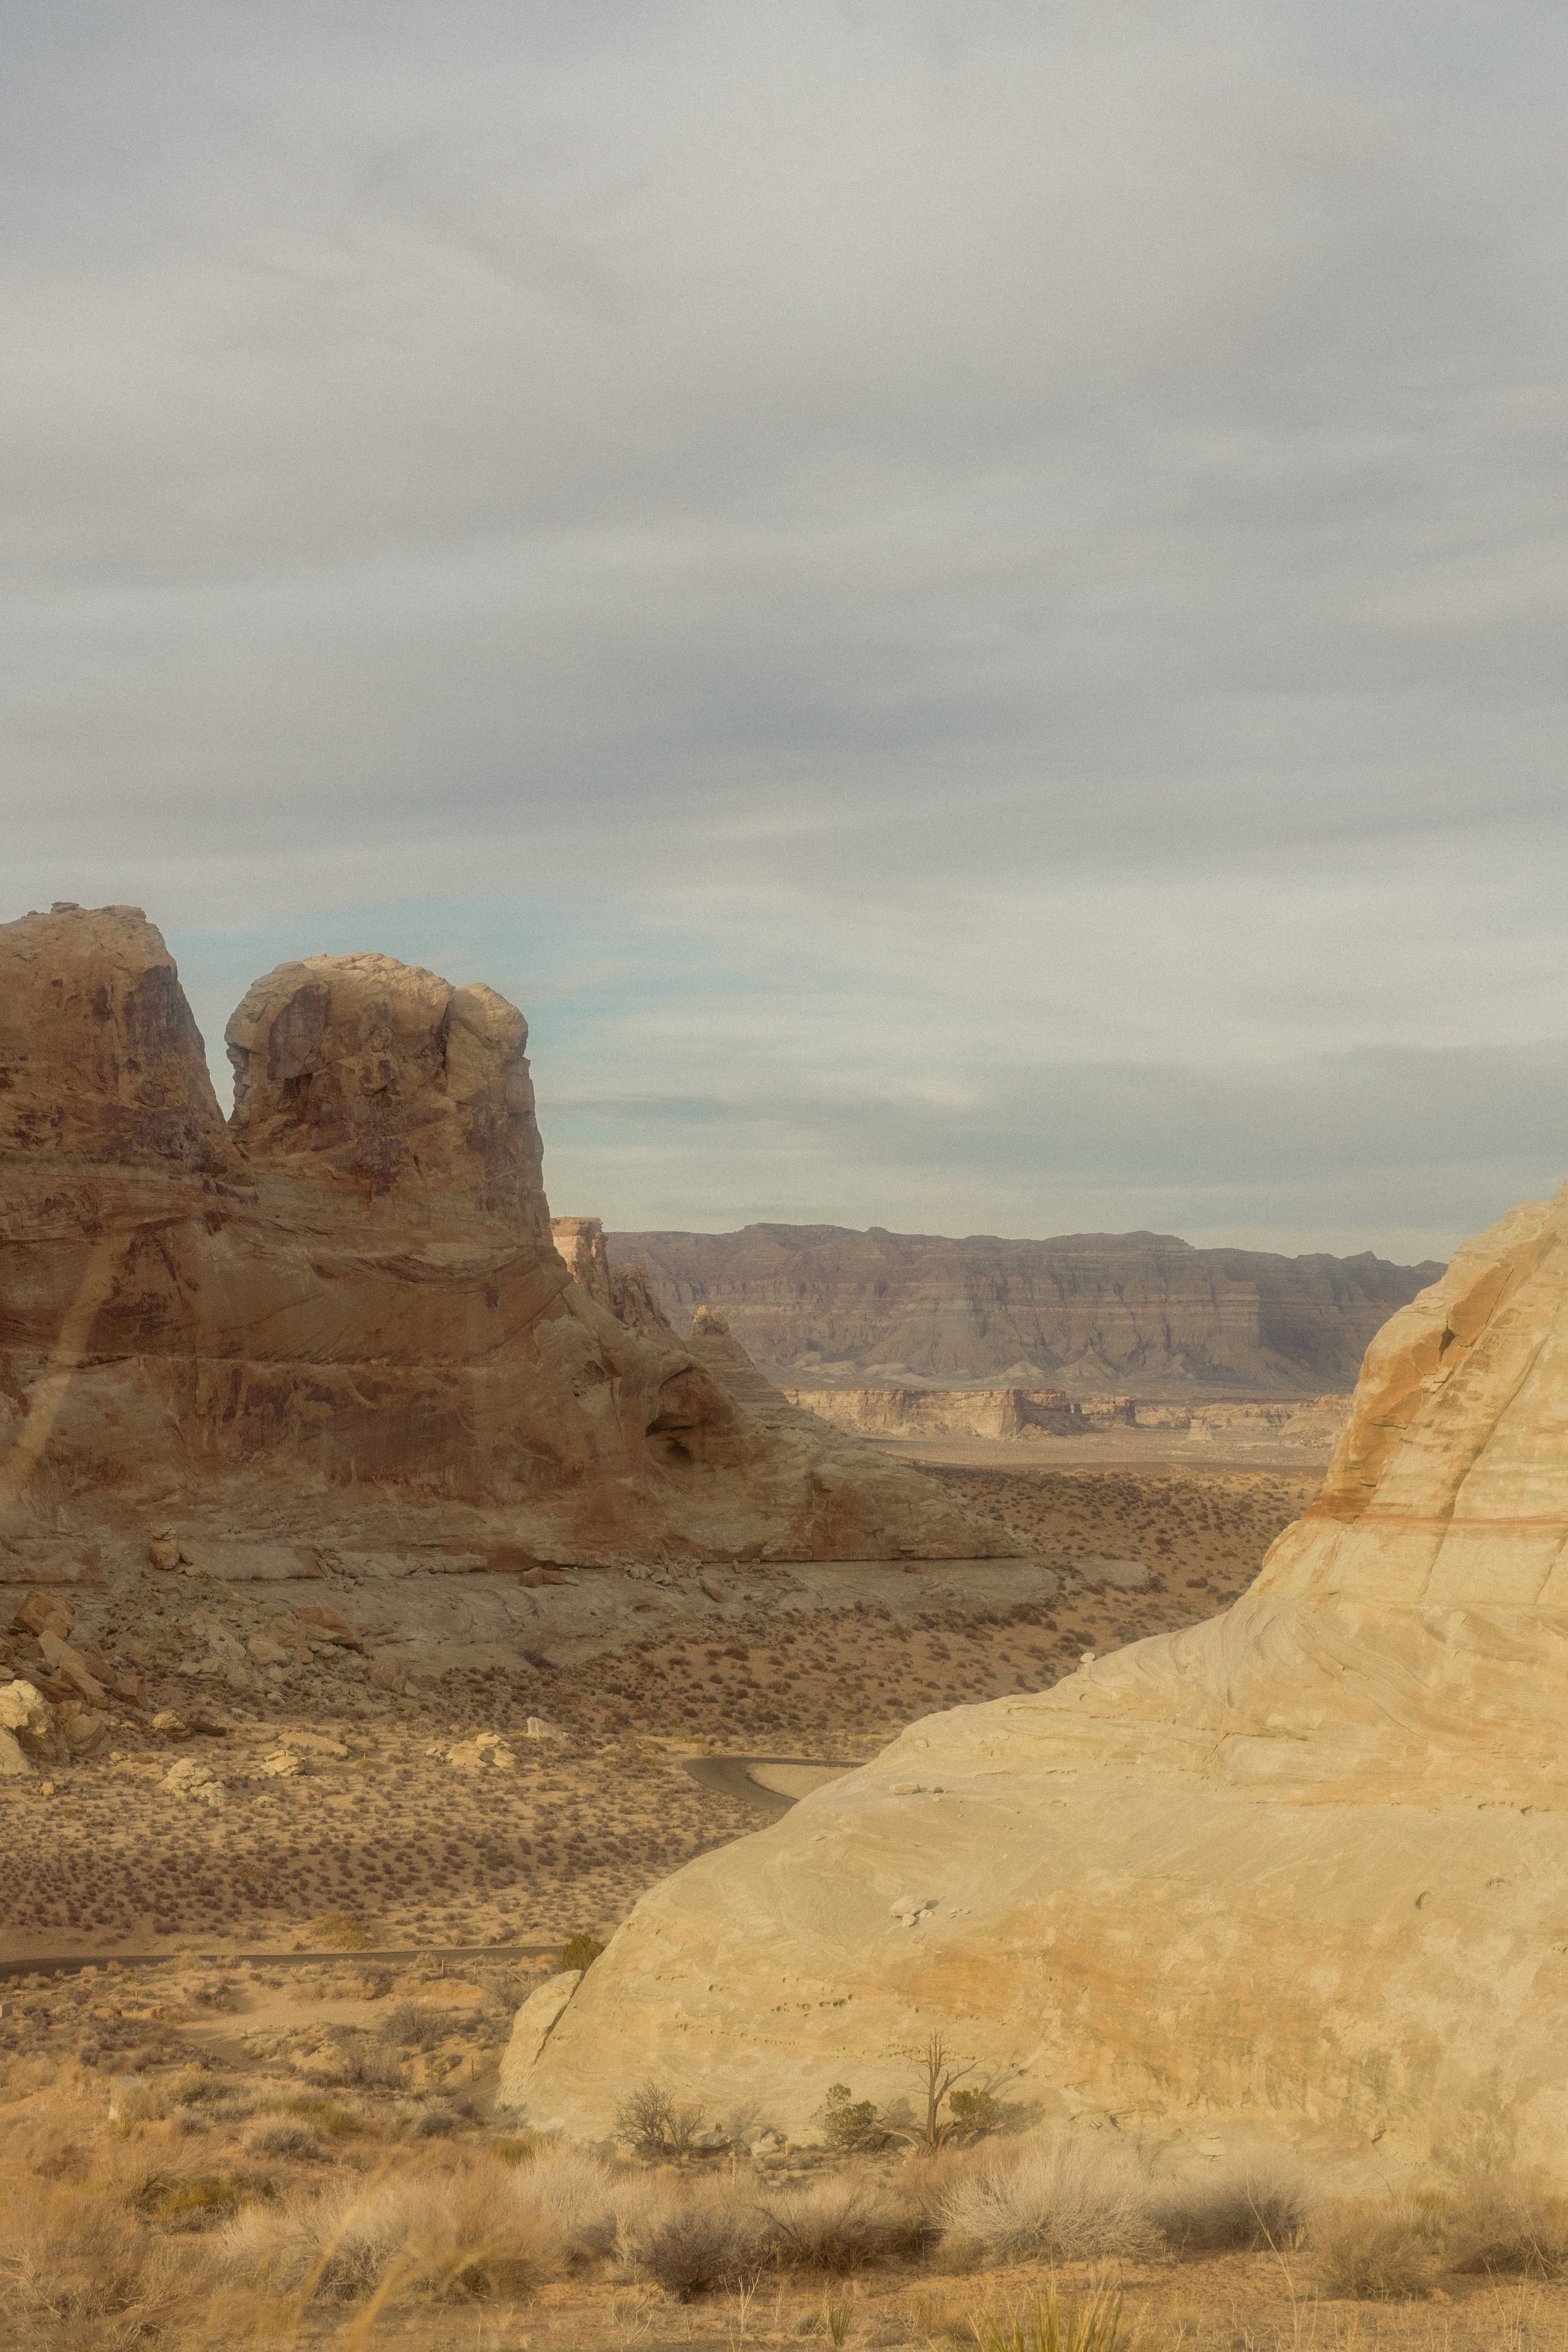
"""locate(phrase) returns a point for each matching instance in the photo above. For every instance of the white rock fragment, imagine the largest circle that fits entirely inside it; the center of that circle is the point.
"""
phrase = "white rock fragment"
(191, 1778)
(23, 1708)
(911, 1907)
(486, 1747)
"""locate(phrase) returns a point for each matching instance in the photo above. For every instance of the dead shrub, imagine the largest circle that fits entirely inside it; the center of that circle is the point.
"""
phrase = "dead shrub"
(656, 2126)
(411, 2026)
(1505, 2225)
(369, 2068)
(1056, 2200)
(843, 2224)
(295, 2140)
(1372, 2252)
(700, 2249)
(1248, 2207)
(187, 2201)
(460, 2234)
(76, 2262)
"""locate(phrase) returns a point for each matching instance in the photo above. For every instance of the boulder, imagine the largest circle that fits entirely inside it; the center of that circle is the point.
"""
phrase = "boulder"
(44, 1612)
(13, 1764)
(73, 1666)
(23, 1709)
(323, 1624)
(191, 1778)
(1299, 1868)
(486, 1750)
(531, 2030)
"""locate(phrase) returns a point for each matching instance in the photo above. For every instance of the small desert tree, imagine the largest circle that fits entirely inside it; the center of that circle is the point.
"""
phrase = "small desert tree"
(855, 2126)
(581, 1951)
(655, 2125)
(852, 2126)
(937, 2073)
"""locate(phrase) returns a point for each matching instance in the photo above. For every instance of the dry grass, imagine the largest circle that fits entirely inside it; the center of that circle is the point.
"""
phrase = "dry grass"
(1264, 2202)
(1505, 2225)
(1374, 2252)
(82, 2267)
(324, 2223)
(1055, 2201)
(1047, 2323)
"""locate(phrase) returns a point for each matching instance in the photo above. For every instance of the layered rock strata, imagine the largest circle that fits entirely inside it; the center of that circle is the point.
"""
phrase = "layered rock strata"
(352, 1292)
(1302, 1868)
(1087, 1311)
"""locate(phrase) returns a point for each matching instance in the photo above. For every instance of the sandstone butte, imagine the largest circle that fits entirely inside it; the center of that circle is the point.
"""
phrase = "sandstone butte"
(346, 1304)
(1302, 1870)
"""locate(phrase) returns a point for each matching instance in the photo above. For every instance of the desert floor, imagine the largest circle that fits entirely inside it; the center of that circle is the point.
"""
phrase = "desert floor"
(330, 1799)
(163, 2102)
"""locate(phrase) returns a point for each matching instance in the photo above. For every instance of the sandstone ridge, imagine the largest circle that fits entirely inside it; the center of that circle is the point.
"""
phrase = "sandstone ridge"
(344, 1316)
(1299, 1868)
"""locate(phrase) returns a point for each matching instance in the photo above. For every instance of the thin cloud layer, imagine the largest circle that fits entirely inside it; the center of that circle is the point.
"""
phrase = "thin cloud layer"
(857, 558)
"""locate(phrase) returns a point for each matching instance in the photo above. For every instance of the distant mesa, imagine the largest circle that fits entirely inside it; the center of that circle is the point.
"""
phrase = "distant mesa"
(820, 1304)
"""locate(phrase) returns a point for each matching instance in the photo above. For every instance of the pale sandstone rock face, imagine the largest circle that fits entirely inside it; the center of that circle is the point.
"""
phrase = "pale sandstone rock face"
(581, 1243)
(1304, 1866)
(625, 1290)
(531, 2030)
(347, 1315)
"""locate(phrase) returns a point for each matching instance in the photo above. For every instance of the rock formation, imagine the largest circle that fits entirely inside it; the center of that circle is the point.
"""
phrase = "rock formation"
(346, 1309)
(1301, 1866)
(625, 1290)
(1086, 1311)
(923, 1412)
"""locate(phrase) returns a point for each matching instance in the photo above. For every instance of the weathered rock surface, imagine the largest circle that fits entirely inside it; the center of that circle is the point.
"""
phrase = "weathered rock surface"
(531, 2030)
(347, 1311)
(625, 1290)
(1305, 1864)
(1088, 1310)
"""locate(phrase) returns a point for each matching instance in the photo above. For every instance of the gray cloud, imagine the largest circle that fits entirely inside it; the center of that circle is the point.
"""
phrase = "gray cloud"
(840, 554)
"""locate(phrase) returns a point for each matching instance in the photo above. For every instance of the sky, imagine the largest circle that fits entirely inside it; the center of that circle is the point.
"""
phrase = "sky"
(964, 599)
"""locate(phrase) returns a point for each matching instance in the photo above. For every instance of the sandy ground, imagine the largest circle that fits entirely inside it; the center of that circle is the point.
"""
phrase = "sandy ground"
(383, 1834)
(239, 2082)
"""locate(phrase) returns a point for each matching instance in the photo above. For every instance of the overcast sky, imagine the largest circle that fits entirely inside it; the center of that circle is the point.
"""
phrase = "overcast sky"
(963, 601)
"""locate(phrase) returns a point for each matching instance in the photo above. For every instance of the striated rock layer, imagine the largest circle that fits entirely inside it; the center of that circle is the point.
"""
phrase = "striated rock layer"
(1302, 1867)
(1088, 1310)
(351, 1293)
